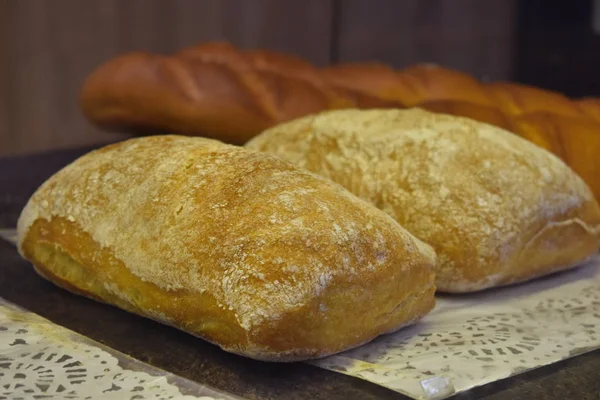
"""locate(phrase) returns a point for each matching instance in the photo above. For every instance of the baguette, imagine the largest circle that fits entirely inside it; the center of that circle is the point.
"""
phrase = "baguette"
(211, 88)
(235, 246)
(219, 91)
(496, 208)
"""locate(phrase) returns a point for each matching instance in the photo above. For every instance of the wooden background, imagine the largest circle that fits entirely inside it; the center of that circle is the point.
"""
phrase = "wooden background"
(47, 48)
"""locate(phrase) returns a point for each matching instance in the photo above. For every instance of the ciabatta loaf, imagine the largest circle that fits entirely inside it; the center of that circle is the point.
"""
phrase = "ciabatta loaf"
(496, 208)
(238, 247)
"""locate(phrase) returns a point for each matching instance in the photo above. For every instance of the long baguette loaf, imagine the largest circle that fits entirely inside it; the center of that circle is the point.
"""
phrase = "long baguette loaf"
(496, 208)
(238, 247)
(212, 88)
(219, 91)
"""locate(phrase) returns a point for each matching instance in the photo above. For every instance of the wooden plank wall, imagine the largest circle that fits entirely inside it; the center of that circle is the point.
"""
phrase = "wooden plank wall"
(470, 35)
(47, 48)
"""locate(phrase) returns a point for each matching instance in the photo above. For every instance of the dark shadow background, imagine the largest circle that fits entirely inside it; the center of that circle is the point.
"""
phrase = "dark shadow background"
(557, 47)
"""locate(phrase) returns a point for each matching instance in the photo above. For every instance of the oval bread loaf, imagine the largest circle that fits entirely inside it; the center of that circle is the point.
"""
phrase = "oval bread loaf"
(496, 208)
(238, 247)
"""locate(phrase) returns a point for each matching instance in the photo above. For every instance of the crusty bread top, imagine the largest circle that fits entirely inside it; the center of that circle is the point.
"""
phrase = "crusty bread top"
(474, 191)
(172, 207)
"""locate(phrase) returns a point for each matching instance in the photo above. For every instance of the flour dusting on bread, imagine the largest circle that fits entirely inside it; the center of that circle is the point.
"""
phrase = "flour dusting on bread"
(204, 216)
(475, 192)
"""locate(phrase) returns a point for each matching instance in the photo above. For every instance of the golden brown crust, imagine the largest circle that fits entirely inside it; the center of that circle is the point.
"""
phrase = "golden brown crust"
(445, 84)
(375, 80)
(576, 141)
(219, 91)
(496, 208)
(212, 90)
(235, 246)
(481, 113)
(514, 99)
(591, 107)
(150, 92)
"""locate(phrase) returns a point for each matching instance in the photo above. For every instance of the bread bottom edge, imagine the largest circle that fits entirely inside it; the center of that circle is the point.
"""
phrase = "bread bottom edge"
(412, 301)
(556, 246)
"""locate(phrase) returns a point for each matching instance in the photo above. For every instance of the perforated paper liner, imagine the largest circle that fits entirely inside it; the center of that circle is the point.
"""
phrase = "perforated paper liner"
(468, 341)
(39, 359)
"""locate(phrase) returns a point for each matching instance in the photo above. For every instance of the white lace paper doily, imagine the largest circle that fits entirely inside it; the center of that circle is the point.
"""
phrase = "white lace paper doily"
(41, 360)
(468, 341)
